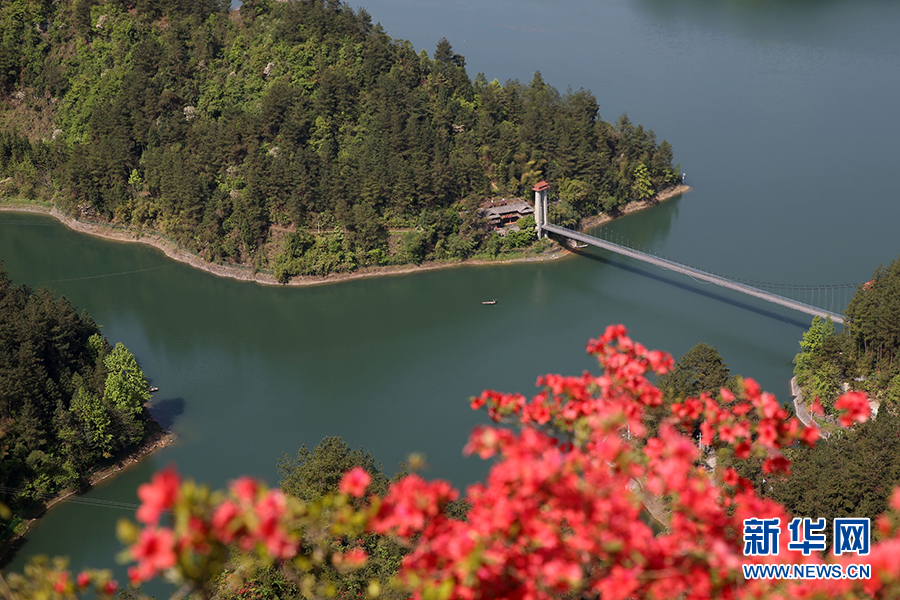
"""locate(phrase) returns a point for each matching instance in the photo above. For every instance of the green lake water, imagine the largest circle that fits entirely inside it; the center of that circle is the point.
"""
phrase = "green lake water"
(783, 116)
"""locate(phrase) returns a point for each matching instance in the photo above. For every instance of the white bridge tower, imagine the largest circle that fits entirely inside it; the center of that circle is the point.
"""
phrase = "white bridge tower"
(540, 208)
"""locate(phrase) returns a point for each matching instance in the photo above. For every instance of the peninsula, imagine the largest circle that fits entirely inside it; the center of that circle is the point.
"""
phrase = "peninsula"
(293, 141)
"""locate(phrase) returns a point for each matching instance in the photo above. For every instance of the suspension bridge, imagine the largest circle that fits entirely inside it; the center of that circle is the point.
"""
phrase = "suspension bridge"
(835, 297)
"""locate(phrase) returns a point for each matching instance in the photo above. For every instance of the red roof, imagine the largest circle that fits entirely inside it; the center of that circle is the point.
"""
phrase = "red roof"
(541, 186)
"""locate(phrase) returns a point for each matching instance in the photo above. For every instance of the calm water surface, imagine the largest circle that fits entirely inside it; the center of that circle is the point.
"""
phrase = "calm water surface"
(783, 116)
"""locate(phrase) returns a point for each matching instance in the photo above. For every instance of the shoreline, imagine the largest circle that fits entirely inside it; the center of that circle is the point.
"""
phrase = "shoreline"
(635, 206)
(157, 439)
(243, 273)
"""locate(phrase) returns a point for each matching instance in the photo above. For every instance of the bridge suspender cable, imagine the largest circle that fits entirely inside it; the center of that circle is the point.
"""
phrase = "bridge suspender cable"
(696, 273)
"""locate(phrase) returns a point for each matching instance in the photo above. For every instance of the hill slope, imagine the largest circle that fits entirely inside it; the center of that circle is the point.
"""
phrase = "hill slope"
(296, 136)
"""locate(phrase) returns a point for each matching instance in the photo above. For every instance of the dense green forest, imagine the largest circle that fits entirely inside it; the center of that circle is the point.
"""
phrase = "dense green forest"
(292, 136)
(865, 354)
(68, 400)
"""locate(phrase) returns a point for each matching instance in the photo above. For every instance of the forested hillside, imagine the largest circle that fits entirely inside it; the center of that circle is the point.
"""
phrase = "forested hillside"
(865, 354)
(295, 136)
(68, 400)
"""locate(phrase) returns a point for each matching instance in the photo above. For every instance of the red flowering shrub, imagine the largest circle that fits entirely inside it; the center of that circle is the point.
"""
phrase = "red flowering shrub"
(157, 496)
(579, 501)
(355, 482)
(855, 408)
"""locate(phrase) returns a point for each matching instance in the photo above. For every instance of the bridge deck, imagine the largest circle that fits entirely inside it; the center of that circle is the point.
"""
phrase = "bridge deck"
(696, 273)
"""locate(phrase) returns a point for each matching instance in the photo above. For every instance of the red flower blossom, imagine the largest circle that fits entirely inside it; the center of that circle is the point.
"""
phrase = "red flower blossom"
(776, 464)
(410, 503)
(742, 449)
(62, 582)
(83, 580)
(854, 407)
(810, 436)
(816, 407)
(157, 496)
(730, 477)
(245, 489)
(154, 552)
(355, 481)
(225, 522)
(271, 529)
(350, 561)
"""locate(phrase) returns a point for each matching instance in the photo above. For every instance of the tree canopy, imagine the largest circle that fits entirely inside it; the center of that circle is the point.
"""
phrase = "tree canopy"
(312, 474)
(700, 369)
(873, 329)
(68, 400)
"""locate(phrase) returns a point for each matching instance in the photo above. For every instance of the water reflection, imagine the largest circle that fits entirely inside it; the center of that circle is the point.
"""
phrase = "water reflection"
(707, 290)
(810, 22)
(646, 233)
(166, 412)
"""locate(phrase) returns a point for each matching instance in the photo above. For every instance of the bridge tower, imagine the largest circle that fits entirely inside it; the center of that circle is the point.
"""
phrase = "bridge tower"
(540, 208)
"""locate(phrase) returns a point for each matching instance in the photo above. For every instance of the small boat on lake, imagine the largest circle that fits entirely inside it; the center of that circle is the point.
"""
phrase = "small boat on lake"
(153, 389)
(489, 302)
